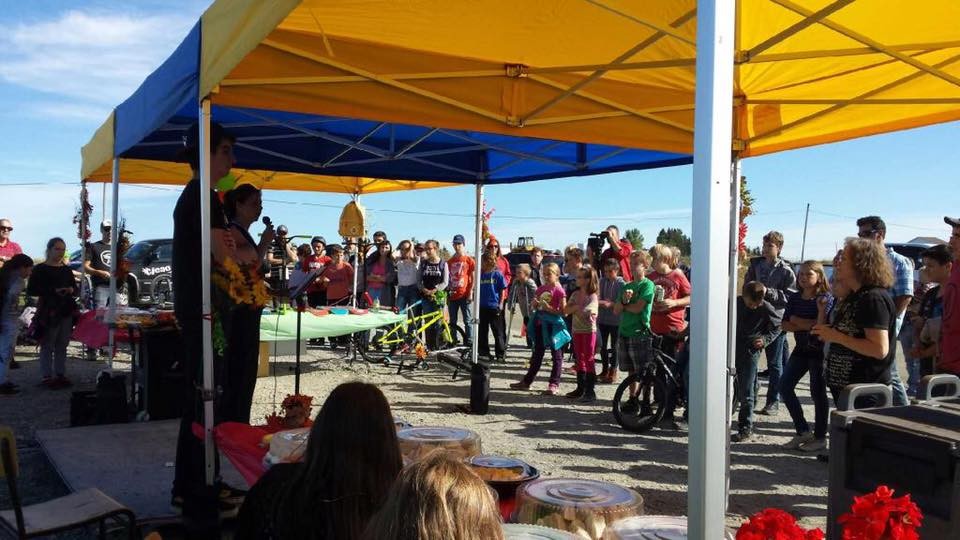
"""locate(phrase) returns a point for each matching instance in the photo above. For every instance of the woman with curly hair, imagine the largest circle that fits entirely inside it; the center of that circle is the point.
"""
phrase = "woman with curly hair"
(862, 337)
(437, 498)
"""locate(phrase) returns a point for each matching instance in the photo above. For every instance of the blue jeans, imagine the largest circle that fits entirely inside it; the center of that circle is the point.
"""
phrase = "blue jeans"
(799, 364)
(913, 364)
(407, 295)
(896, 385)
(456, 307)
(746, 374)
(431, 334)
(8, 342)
(778, 352)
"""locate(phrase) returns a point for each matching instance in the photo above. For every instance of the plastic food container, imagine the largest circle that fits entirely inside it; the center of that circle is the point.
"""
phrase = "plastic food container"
(522, 531)
(339, 311)
(582, 507)
(287, 446)
(651, 528)
(503, 474)
(417, 442)
(401, 423)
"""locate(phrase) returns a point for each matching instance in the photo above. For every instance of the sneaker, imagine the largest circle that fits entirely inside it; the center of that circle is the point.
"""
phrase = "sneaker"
(8, 389)
(798, 441)
(632, 406)
(814, 445)
(552, 390)
(520, 386)
(771, 409)
(743, 434)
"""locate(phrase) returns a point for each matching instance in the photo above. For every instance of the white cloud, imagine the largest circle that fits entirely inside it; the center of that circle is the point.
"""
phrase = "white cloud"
(94, 60)
(67, 111)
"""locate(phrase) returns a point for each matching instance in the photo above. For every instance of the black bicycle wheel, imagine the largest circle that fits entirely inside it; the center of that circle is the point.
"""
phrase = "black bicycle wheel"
(647, 409)
(459, 336)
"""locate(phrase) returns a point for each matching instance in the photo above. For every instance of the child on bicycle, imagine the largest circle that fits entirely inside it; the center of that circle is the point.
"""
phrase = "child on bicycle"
(608, 322)
(547, 329)
(634, 305)
(492, 285)
(757, 325)
(583, 307)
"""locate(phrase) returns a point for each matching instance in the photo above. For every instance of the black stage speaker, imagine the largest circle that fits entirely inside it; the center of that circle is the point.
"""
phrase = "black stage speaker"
(160, 375)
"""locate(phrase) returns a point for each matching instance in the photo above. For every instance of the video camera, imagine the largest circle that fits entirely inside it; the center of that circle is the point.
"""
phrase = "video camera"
(595, 242)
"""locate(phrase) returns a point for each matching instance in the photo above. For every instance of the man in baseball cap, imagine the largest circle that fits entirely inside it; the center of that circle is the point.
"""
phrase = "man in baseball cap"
(461, 268)
(950, 324)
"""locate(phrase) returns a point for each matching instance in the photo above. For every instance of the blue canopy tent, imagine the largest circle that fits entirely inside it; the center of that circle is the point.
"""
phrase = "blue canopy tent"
(289, 150)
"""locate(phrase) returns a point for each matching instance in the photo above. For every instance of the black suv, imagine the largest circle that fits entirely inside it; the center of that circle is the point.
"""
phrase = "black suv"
(149, 282)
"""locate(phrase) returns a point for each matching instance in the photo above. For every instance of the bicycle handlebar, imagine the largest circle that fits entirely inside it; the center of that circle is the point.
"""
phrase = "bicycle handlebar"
(411, 306)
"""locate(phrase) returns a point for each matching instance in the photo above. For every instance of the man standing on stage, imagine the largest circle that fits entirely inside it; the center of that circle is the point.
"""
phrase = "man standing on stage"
(189, 490)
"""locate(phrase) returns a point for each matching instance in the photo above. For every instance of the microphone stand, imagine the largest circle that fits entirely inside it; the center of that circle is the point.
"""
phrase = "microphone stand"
(299, 297)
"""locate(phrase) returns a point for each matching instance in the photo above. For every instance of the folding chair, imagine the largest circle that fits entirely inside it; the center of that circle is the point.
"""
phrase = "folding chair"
(72, 511)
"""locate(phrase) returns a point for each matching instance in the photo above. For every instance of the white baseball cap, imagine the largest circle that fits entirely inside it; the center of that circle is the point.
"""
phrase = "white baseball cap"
(106, 224)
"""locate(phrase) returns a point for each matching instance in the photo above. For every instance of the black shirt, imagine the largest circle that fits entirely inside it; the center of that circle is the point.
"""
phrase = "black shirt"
(187, 288)
(98, 253)
(44, 281)
(863, 309)
(763, 323)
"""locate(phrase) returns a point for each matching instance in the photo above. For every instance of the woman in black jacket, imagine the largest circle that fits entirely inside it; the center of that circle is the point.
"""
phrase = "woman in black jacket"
(53, 282)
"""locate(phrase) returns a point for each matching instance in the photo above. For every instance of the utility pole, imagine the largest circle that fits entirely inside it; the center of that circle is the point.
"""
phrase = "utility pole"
(803, 245)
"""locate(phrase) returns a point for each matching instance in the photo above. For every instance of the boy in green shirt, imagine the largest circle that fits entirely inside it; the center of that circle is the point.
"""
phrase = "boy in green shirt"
(634, 305)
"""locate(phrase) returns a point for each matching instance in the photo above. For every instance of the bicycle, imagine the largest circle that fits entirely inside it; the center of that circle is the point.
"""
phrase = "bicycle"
(660, 388)
(407, 337)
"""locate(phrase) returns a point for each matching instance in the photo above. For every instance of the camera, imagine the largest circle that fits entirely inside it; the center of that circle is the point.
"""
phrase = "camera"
(595, 242)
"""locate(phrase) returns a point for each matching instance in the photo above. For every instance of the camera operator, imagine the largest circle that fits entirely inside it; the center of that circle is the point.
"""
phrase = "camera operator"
(281, 254)
(619, 250)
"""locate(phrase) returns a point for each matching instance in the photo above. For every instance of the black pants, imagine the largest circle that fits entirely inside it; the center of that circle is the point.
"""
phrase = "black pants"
(242, 361)
(491, 318)
(609, 334)
(189, 473)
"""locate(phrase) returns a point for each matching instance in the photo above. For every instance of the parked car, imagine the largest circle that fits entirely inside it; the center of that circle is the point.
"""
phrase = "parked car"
(149, 282)
(913, 251)
(523, 257)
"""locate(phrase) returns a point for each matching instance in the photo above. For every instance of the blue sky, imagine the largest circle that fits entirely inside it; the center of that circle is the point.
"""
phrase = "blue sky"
(65, 64)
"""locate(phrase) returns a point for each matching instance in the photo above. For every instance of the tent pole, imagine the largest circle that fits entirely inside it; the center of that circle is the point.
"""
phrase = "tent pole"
(357, 260)
(711, 230)
(207, 322)
(732, 291)
(478, 254)
(114, 263)
(83, 245)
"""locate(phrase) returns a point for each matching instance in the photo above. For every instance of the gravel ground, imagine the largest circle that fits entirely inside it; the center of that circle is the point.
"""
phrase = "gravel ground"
(559, 437)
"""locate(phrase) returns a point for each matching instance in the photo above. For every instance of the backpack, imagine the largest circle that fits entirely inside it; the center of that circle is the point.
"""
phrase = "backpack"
(351, 220)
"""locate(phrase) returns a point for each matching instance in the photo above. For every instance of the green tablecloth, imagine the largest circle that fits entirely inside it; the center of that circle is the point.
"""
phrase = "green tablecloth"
(276, 327)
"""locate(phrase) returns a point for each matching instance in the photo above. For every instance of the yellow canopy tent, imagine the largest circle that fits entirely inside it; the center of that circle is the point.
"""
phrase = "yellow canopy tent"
(621, 73)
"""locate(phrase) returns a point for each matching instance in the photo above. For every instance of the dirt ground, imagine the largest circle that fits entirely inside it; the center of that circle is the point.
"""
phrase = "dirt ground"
(560, 438)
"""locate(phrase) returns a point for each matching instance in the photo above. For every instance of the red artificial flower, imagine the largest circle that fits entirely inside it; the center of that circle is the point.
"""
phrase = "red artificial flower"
(878, 515)
(774, 524)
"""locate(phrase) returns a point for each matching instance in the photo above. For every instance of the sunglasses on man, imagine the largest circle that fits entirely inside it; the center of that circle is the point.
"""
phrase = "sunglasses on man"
(3, 228)
(868, 234)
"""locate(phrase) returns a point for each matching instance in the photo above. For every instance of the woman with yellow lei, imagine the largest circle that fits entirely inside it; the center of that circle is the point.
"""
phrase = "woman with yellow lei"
(244, 283)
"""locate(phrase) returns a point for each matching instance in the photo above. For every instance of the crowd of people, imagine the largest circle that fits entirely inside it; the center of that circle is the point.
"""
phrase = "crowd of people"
(610, 305)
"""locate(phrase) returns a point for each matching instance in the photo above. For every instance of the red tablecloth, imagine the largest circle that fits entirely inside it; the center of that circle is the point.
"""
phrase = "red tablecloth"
(240, 443)
(93, 333)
